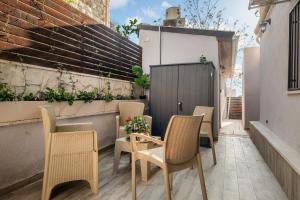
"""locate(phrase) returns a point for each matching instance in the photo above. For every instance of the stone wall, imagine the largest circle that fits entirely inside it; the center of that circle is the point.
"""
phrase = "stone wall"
(96, 9)
(25, 79)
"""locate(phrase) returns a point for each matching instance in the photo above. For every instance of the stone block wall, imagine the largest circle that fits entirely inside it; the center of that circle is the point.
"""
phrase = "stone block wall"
(25, 79)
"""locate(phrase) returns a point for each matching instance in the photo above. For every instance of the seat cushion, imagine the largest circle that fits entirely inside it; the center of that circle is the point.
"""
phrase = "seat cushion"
(155, 153)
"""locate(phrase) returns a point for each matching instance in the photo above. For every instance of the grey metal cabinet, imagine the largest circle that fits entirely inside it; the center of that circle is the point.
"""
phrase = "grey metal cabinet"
(177, 89)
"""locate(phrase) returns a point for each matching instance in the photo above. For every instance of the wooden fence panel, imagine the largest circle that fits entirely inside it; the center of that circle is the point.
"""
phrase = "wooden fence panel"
(51, 33)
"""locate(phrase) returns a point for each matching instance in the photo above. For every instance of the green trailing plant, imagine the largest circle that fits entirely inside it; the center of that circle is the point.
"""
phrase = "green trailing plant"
(121, 97)
(6, 93)
(87, 97)
(137, 125)
(30, 97)
(130, 28)
(59, 95)
(107, 95)
(73, 83)
(142, 80)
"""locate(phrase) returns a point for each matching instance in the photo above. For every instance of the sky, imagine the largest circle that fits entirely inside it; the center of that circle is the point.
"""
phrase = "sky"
(147, 11)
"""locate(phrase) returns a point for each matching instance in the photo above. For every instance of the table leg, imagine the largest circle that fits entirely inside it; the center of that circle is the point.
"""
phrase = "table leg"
(145, 168)
(116, 158)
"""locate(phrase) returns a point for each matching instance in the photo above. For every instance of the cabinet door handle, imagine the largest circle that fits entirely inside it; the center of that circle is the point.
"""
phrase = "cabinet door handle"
(180, 105)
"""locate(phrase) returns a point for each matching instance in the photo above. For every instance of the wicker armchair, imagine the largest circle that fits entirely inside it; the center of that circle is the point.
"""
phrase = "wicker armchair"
(71, 153)
(180, 149)
(206, 128)
(127, 109)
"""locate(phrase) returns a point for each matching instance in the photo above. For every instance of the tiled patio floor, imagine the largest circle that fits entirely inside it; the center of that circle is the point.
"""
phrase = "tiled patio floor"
(233, 127)
(240, 173)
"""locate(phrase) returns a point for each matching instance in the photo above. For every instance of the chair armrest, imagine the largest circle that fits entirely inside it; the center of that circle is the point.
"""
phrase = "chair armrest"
(134, 136)
(148, 120)
(74, 127)
(117, 125)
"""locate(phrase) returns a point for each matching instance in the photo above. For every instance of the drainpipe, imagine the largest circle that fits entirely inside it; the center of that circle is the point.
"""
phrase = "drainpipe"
(159, 32)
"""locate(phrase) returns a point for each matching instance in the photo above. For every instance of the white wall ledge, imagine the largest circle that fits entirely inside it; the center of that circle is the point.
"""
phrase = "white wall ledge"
(295, 92)
(285, 150)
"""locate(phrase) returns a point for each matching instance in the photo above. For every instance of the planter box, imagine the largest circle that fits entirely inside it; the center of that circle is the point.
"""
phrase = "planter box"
(27, 111)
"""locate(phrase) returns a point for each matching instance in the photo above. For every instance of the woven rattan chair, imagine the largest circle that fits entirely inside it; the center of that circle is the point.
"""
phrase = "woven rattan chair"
(206, 128)
(180, 150)
(71, 153)
(127, 110)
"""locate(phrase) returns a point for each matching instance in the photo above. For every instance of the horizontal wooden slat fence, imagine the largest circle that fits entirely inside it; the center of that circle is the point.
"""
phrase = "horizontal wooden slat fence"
(51, 33)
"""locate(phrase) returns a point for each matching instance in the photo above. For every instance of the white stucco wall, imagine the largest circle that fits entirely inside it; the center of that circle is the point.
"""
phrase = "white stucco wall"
(177, 48)
(251, 85)
(180, 48)
(280, 109)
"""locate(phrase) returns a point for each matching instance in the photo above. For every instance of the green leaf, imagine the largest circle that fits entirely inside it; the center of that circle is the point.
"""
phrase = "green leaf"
(137, 70)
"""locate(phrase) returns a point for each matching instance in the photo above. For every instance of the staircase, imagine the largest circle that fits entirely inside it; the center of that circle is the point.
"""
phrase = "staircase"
(235, 111)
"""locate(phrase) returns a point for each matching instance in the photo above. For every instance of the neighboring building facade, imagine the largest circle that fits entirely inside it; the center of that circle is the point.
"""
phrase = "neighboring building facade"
(251, 85)
(279, 94)
(170, 45)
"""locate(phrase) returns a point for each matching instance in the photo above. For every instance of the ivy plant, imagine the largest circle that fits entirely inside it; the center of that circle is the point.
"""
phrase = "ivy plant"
(108, 97)
(87, 97)
(121, 97)
(6, 94)
(59, 95)
(30, 97)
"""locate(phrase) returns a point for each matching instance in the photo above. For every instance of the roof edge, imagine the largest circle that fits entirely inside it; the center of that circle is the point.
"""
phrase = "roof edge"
(191, 31)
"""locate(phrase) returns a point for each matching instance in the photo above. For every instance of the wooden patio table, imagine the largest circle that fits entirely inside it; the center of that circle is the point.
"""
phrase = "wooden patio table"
(123, 145)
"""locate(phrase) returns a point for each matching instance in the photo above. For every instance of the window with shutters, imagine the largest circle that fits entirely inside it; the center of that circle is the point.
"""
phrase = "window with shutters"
(293, 79)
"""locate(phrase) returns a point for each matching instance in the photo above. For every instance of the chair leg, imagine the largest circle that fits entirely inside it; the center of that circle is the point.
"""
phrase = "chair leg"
(167, 182)
(117, 157)
(145, 168)
(201, 177)
(46, 193)
(94, 183)
(213, 149)
(171, 180)
(94, 186)
(133, 177)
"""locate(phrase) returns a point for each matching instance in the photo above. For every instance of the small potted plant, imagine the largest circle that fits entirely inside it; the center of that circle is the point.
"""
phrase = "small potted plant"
(142, 80)
(203, 59)
(137, 125)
